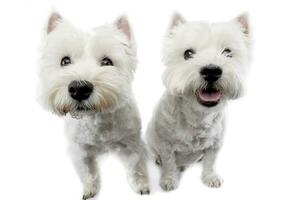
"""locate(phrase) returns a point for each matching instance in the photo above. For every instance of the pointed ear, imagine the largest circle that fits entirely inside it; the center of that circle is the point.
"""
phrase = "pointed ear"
(177, 20)
(243, 22)
(53, 21)
(123, 25)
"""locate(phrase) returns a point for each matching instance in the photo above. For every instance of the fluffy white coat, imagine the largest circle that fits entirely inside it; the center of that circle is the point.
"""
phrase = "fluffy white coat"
(182, 130)
(108, 120)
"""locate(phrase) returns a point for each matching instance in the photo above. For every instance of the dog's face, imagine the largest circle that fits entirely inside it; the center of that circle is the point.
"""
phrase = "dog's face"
(206, 63)
(86, 72)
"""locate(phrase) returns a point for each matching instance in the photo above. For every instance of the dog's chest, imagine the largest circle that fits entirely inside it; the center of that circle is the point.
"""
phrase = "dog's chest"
(97, 130)
(197, 132)
(104, 129)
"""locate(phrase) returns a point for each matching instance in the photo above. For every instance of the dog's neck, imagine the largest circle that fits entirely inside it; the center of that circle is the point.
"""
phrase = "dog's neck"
(196, 114)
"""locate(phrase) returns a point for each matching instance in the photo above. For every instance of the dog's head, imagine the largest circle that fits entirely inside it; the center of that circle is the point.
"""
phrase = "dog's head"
(86, 72)
(206, 63)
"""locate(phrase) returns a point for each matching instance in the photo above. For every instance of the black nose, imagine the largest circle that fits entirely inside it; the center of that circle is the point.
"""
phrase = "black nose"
(80, 90)
(211, 73)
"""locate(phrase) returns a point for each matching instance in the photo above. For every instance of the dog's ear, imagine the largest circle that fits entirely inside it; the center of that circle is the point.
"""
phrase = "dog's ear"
(243, 22)
(122, 24)
(54, 19)
(176, 20)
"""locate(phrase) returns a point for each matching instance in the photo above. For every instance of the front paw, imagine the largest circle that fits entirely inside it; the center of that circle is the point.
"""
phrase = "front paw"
(212, 180)
(142, 186)
(139, 183)
(169, 182)
(90, 191)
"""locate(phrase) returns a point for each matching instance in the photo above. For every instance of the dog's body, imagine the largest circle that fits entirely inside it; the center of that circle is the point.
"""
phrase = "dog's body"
(192, 130)
(206, 65)
(180, 134)
(118, 131)
(86, 77)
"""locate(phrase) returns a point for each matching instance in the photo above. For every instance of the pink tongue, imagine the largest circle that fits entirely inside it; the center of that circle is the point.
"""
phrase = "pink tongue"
(210, 97)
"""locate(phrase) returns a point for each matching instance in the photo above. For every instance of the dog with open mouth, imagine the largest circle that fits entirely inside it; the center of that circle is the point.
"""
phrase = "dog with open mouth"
(206, 65)
(86, 78)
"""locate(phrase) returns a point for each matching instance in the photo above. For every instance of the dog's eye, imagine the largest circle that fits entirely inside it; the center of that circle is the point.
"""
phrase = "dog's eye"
(188, 54)
(65, 61)
(227, 52)
(106, 62)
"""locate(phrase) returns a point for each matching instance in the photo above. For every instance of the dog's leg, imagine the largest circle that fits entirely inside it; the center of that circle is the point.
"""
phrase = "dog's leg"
(169, 179)
(137, 174)
(84, 160)
(209, 177)
(134, 156)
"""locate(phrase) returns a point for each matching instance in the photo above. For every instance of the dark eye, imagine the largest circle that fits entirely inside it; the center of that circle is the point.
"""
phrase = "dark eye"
(106, 62)
(227, 52)
(188, 54)
(65, 61)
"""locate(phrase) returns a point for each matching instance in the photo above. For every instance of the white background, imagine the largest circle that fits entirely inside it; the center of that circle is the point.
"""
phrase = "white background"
(260, 157)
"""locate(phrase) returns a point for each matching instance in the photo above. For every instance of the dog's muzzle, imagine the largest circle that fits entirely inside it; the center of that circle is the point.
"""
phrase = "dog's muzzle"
(80, 90)
(210, 95)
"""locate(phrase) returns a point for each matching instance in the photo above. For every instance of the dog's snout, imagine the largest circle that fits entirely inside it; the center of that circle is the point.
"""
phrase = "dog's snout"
(211, 73)
(80, 90)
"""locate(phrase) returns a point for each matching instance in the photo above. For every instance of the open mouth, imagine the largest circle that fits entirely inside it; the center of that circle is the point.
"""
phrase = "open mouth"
(208, 97)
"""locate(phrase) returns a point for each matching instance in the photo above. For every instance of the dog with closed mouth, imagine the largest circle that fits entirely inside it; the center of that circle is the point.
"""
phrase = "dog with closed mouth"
(86, 77)
(206, 65)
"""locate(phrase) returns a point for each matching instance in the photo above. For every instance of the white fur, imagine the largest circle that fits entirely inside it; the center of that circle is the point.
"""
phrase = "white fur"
(182, 131)
(112, 84)
(111, 121)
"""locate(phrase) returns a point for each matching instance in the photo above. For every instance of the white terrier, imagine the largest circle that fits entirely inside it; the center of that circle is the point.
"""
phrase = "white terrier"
(87, 77)
(206, 65)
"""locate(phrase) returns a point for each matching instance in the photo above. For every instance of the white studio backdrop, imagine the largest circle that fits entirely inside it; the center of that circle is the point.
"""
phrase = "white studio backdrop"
(260, 157)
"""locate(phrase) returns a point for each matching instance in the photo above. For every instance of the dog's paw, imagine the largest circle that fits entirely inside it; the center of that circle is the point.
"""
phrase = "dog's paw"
(212, 180)
(169, 183)
(143, 186)
(145, 191)
(139, 183)
(88, 195)
(90, 191)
